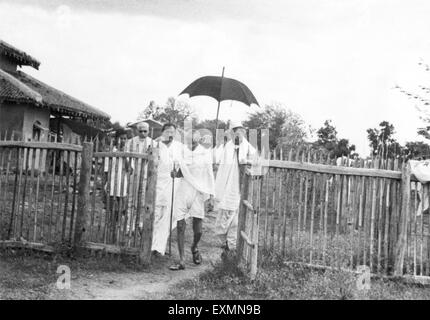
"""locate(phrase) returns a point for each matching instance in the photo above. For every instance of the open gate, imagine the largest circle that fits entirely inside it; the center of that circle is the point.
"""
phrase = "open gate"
(56, 194)
(117, 191)
(38, 193)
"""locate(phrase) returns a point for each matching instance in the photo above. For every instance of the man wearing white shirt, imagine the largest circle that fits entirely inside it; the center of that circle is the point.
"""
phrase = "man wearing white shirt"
(141, 143)
(169, 153)
(227, 185)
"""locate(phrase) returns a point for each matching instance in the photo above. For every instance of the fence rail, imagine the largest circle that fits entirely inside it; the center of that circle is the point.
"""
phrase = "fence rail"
(38, 191)
(303, 208)
(345, 217)
(339, 170)
(118, 187)
(41, 145)
(64, 194)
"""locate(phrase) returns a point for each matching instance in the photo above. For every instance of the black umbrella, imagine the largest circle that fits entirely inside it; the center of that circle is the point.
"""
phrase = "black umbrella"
(221, 88)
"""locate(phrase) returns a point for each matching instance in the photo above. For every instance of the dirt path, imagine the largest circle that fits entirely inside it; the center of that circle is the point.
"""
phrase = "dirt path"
(152, 284)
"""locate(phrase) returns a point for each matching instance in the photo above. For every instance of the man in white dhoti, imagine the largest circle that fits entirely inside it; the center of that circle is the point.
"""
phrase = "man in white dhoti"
(170, 151)
(197, 186)
(227, 191)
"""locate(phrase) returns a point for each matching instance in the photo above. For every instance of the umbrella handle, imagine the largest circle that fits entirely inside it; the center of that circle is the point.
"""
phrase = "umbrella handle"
(219, 100)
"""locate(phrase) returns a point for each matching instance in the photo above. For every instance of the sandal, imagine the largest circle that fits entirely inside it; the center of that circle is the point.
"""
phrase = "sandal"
(177, 267)
(156, 254)
(197, 258)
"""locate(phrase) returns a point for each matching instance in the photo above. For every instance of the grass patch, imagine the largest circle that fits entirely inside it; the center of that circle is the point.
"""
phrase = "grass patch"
(277, 280)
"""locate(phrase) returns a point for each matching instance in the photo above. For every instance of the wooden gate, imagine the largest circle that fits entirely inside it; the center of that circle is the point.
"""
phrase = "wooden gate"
(38, 193)
(56, 194)
(118, 201)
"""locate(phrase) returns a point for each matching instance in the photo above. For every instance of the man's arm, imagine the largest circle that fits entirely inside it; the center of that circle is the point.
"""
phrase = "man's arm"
(251, 151)
(248, 154)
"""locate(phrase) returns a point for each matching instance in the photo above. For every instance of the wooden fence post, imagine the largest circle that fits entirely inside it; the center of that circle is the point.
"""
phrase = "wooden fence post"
(255, 231)
(148, 216)
(242, 213)
(83, 192)
(404, 218)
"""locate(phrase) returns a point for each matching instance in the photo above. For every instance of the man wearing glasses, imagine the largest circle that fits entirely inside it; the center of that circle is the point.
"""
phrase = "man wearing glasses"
(141, 143)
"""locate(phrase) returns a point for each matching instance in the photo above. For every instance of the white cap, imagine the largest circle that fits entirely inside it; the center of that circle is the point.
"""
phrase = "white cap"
(236, 124)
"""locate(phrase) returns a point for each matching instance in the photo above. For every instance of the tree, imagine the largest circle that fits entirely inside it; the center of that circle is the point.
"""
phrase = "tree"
(327, 137)
(285, 126)
(151, 111)
(417, 149)
(176, 111)
(421, 98)
(382, 142)
(328, 141)
(343, 148)
(117, 126)
(173, 111)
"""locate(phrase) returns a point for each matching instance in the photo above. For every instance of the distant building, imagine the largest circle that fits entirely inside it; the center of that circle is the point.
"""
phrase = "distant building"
(35, 111)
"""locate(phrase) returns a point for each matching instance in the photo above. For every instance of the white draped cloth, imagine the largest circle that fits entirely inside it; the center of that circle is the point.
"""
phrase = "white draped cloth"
(198, 183)
(196, 167)
(227, 193)
(421, 170)
(227, 188)
(168, 156)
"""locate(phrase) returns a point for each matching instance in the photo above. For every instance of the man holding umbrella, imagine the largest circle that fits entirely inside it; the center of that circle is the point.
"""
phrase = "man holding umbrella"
(227, 188)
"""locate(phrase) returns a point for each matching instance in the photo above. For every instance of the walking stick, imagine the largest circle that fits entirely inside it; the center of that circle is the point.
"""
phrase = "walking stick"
(171, 210)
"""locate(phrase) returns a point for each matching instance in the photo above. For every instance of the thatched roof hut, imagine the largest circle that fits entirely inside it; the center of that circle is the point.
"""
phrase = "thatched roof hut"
(25, 100)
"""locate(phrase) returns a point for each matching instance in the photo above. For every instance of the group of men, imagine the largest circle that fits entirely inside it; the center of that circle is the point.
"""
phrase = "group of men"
(186, 181)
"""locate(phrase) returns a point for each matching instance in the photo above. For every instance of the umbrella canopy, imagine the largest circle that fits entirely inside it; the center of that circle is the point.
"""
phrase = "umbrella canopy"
(221, 88)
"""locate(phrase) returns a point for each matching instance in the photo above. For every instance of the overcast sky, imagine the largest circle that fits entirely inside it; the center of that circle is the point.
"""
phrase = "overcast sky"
(328, 59)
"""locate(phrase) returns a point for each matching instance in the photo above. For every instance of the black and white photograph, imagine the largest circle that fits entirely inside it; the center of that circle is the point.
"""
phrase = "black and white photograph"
(229, 152)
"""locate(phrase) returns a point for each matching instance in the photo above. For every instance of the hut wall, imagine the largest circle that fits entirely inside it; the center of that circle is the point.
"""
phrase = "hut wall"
(19, 118)
(12, 118)
(31, 115)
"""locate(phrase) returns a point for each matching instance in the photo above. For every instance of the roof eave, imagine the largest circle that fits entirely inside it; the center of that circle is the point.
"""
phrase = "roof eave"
(65, 109)
(22, 58)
